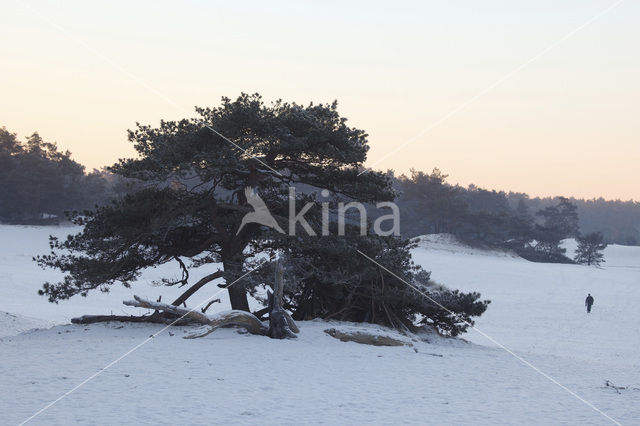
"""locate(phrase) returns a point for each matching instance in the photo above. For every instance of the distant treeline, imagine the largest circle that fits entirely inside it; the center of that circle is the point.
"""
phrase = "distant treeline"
(38, 183)
(428, 204)
(618, 221)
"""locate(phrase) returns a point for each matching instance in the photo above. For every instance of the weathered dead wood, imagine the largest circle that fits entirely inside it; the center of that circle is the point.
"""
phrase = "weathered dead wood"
(608, 384)
(204, 310)
(365, 338)
(237, 318)
(292, 324)
(155, 318)
(243, 319)
(281, 325)
(195, 316)
(279, 320)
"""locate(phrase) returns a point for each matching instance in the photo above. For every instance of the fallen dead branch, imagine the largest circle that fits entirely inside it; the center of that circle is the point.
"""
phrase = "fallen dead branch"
(608, 384)
(279, 326)
(154, 318)
(237, 318)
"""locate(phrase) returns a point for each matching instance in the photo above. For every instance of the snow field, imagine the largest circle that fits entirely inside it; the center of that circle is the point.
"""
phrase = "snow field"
(230, 378)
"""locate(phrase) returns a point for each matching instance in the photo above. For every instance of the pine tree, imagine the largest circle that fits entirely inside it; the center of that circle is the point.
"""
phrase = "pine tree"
(559, 222)
(194, 195)
(590, 248)
(561, 218)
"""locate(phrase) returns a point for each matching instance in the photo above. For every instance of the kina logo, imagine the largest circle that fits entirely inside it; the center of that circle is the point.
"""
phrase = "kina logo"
(260, 214)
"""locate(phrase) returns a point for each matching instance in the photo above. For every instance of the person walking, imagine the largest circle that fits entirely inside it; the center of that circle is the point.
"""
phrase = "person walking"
(589, 302)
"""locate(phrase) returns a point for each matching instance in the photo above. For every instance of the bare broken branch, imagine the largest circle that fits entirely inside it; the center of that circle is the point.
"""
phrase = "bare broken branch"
(237, 318)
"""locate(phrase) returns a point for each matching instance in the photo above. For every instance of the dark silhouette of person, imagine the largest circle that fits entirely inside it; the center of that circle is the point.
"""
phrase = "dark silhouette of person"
(589, 302)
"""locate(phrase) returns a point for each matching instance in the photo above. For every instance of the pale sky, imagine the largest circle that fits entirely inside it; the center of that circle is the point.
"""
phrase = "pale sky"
(566, 123)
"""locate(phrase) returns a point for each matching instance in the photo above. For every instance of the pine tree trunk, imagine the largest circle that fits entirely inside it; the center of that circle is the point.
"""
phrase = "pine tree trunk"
(238, 298)
(237, 292)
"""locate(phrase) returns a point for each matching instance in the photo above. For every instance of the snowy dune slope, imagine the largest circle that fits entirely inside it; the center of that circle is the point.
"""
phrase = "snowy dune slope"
(537, 311)
(12, 324)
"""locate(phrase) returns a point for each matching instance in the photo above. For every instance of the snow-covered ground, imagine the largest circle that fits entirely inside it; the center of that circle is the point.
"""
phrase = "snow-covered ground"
(12, 324)
(229, 378)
